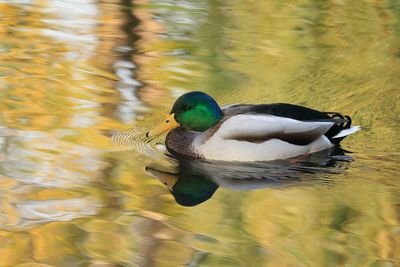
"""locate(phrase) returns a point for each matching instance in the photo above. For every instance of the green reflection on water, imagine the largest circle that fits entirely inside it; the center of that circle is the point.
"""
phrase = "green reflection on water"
(70, 95)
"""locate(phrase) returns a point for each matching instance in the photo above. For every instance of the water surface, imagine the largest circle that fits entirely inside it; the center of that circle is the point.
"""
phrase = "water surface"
(81, 82)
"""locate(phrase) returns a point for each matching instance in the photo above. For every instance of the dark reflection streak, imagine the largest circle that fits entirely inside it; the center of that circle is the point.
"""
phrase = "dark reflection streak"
(128, 28)
(131, 23)
(111, 200)
(148, 251)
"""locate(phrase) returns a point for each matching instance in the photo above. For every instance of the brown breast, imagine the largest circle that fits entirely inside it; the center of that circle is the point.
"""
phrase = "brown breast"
(179, 143)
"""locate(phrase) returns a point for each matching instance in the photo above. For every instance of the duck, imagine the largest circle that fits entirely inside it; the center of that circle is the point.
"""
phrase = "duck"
(199, 128)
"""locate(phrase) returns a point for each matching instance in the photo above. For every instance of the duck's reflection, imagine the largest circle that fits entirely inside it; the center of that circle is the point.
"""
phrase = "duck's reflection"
(195, 181)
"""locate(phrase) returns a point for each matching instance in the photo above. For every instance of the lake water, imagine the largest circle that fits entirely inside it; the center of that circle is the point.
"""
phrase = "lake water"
(81, 82)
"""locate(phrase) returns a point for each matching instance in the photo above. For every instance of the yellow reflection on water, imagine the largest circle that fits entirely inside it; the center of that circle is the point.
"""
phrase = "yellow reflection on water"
(82, 81)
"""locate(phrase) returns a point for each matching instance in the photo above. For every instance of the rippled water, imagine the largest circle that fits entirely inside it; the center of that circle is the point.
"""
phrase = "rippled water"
(82, 81)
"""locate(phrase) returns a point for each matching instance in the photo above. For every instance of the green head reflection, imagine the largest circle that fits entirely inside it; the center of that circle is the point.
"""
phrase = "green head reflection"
(192, 190)
(188, 188)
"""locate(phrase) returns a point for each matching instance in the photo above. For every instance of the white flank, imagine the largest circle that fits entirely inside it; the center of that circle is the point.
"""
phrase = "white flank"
(221, 147)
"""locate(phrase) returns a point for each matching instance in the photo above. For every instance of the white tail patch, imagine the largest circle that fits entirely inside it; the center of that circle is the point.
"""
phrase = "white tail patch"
(348, 131)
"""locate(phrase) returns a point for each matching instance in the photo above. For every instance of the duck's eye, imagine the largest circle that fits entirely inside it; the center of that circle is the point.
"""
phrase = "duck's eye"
(167, 121)
(186, 107)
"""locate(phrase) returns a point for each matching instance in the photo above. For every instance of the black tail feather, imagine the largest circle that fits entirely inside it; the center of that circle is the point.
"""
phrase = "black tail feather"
(344, 122)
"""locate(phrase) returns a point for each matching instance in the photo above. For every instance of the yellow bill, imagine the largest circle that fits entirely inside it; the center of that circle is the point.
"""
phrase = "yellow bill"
(168, 124)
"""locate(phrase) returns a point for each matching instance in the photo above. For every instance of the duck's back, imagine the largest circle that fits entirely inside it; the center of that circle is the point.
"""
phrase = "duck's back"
(277, 109)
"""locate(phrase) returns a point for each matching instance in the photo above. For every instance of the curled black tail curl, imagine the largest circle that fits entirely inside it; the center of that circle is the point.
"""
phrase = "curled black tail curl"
(341, 122)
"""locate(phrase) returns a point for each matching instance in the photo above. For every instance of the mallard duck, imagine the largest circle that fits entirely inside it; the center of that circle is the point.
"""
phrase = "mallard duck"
(199, 128)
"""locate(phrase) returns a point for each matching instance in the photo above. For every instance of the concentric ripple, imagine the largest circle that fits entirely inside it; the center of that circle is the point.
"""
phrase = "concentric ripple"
(136, 141)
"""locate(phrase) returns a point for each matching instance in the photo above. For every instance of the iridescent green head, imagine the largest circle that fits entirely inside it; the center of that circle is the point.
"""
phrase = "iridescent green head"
(196, 111)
